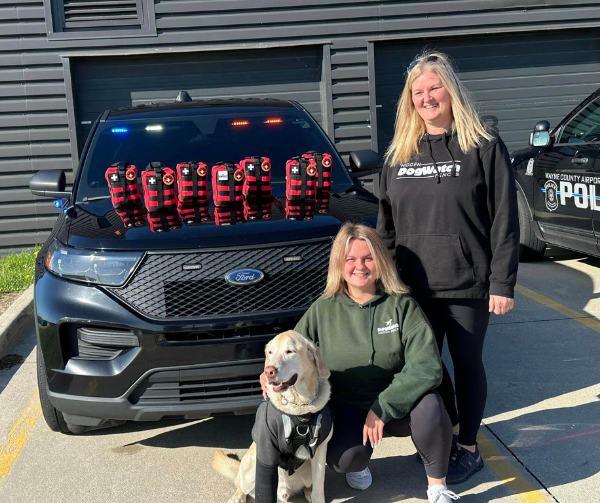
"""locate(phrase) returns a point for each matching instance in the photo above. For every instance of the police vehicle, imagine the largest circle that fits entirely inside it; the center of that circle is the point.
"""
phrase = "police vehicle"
(144, 316)
(558, 183)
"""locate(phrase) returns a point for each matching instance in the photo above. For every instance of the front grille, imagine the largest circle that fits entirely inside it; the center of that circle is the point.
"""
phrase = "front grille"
(199, 386)
(162, 289)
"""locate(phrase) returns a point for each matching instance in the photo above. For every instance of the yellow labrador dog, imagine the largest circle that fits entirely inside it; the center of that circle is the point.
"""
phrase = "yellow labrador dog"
(292, 427)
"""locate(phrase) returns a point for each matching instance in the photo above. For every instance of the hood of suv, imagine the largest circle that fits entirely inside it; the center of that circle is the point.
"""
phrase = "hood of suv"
(96, 225)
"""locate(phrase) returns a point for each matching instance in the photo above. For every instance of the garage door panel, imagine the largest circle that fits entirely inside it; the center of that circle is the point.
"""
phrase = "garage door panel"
(112, 82)
(517, 79)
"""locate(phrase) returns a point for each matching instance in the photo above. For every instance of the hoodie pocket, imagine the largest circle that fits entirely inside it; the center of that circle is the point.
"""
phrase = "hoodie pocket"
(433, 262)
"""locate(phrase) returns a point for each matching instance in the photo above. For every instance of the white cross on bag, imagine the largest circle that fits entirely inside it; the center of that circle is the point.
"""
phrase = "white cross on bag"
(185, 171)
(295, 170)
(152, 181)
(114, 177)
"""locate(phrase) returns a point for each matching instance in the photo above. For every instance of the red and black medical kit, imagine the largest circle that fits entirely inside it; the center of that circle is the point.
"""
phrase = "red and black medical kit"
(227, 186)
(300, 188)
(132, 215)
(123, 184)
(159, 187)
(164, 220)
(257, 192)
(192, 191)
(324, 163)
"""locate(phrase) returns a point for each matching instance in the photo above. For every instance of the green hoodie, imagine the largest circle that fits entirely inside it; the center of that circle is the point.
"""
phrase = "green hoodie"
(382, 354)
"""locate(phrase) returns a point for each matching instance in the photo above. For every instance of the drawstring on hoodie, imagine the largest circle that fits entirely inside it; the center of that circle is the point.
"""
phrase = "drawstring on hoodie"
(372, 323)
(430, 152)
(431, 155)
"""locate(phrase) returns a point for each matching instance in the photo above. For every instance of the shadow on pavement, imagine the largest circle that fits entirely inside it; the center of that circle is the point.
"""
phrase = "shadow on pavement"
(21, 353)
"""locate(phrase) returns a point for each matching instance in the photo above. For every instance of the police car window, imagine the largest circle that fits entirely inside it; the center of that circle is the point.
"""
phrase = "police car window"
(585, 127)
(206, 138)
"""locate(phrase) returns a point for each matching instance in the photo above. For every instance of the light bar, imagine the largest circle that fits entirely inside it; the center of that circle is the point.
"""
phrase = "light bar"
(119, 130)
(240, 123)
(154, 128)
(273, 121)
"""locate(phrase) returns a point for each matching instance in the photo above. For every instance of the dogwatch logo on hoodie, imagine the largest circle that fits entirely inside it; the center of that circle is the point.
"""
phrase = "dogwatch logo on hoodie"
(418, 170)
(389, 328)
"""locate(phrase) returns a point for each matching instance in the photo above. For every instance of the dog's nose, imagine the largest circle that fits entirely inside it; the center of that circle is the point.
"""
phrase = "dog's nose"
(270, 371)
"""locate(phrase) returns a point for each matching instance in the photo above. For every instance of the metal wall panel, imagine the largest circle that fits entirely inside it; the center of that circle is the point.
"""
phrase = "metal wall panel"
(517, 80)
(107, 82)
(34, 124)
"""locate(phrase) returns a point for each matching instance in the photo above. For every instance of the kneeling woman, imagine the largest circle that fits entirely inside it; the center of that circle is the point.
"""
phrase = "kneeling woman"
(384, 362)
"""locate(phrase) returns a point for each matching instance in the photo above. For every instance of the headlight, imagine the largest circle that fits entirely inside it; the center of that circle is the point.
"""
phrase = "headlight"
(90, 266)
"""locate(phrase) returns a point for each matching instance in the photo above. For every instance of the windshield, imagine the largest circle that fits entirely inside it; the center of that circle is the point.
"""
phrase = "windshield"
(279, 135)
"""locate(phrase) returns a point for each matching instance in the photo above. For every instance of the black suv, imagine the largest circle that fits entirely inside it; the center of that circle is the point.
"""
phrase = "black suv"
(558, 183)
(139, 325)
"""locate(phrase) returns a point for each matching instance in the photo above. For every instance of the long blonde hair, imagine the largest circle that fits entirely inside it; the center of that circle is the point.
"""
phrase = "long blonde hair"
(387, 276)
(410, 128)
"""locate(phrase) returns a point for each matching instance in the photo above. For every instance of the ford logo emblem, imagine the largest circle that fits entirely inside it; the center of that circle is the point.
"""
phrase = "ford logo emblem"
(244, 277)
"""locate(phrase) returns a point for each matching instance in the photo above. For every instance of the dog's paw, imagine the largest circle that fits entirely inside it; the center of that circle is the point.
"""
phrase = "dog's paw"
(238, 497)
(308, 494)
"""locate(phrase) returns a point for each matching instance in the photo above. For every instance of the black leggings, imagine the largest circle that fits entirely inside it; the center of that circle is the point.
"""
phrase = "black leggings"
(464, 322)
(427, 424)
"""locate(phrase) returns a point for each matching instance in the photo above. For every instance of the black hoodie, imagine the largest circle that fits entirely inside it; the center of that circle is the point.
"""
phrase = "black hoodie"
(451, 221)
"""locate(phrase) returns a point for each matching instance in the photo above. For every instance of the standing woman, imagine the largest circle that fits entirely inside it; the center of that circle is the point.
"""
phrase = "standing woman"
(448, 213)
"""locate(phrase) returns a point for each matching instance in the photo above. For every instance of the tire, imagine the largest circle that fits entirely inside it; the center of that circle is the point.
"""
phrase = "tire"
(531, 248)
(54, 418)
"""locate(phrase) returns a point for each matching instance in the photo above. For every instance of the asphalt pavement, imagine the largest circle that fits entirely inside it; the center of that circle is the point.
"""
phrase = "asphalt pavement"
(540, 436)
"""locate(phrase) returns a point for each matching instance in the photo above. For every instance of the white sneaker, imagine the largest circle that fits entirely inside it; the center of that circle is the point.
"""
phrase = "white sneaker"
(440, 494)
(360, 480)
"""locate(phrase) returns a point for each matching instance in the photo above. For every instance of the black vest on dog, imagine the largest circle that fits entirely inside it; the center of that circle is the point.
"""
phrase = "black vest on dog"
(278, 436)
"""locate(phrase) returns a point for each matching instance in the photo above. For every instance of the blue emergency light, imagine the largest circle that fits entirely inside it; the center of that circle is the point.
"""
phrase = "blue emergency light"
(119, 130)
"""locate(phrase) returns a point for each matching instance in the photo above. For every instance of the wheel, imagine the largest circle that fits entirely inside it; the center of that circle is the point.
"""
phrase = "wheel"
(531, 249)
(54, 418)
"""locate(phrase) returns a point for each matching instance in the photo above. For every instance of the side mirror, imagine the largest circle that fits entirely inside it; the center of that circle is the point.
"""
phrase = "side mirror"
(49, 183)
(540, 137)
(364, 163)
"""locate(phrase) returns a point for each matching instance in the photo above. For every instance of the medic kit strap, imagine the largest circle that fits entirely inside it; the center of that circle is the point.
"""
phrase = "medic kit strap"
(225, 193)
(165, 191)
(257, 176)
(190, 180)
(164, 221)
(299, 431)
(122, 184)
(132, 216)
(324, 164)
(229, 215)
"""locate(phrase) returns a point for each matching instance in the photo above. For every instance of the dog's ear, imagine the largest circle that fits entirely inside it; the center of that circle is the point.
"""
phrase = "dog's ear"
(267, 352)
(315, 353)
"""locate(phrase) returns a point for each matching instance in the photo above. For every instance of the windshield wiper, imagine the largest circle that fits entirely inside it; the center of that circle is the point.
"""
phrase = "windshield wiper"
(98, 198)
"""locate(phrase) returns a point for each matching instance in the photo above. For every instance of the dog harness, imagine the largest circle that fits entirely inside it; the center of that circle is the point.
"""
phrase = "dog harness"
(279, 436)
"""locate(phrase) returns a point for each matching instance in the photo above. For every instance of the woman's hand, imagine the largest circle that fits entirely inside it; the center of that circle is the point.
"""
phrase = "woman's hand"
(373, 429)
(501, 305)
(263, 384)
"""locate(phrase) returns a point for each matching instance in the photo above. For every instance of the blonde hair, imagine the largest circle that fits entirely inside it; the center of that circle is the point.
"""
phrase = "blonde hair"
(387, 276)
(410, 127)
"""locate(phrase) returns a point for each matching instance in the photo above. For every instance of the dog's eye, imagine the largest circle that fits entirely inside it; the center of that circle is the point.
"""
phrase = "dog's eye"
(289, 352)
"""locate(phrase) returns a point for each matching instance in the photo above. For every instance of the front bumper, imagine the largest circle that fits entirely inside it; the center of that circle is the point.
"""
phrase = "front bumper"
(166, 375)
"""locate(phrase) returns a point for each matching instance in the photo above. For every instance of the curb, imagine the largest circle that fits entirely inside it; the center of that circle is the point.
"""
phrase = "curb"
(14, 320)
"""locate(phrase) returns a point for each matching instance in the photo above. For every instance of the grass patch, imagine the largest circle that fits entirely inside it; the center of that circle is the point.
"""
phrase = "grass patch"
(17, 270)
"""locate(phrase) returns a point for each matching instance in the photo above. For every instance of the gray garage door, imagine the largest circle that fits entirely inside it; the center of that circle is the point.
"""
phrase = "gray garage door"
(111, 82)
(516, 79)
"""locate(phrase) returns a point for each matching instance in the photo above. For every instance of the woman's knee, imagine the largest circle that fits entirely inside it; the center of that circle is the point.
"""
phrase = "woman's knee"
(354, 459)
(430, 413)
